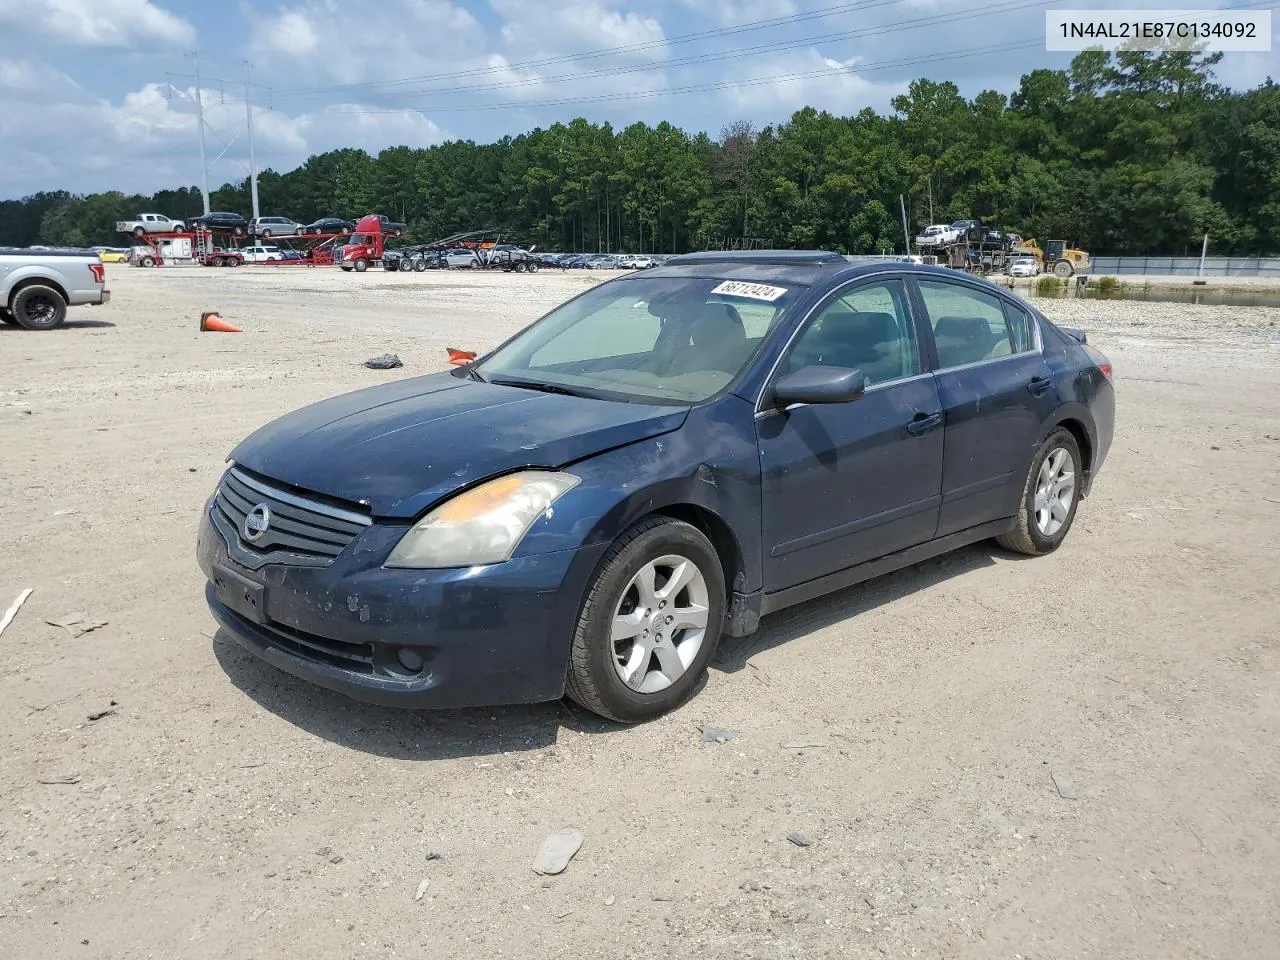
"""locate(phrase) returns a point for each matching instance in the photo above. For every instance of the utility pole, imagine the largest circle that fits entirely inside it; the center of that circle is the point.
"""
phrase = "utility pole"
(1204, 248)
(204, 166)
(906, 235)
(931, 196)
(248, 118)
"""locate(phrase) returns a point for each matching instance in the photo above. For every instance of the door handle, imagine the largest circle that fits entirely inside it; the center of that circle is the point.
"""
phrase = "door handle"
(1039, 385)
(922, 423)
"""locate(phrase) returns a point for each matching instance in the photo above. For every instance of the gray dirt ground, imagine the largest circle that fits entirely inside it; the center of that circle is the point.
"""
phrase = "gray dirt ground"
(910, 727)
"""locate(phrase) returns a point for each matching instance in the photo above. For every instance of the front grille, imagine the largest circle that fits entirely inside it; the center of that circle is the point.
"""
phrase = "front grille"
(301, 530)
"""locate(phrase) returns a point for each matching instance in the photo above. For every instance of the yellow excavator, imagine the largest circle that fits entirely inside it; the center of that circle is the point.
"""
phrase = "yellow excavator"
(1057, 257)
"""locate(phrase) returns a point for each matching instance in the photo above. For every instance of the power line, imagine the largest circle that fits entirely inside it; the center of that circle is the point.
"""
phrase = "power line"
(1001, 8)
(857, 5)
(719, 85)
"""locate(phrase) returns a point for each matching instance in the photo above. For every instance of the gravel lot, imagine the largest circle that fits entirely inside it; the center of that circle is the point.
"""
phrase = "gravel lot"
(911, 727)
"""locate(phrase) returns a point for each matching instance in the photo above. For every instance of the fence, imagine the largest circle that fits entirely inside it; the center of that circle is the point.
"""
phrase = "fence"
(1189, 266)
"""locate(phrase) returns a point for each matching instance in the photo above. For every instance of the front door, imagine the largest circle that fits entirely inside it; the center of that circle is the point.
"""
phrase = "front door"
(997, 393)
(844, 483)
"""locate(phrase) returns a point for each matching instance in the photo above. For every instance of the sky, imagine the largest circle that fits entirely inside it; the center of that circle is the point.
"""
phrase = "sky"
(100, 94)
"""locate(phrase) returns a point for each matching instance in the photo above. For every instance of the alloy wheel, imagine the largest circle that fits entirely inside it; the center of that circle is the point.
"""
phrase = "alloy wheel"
(1055, 492)
(659, 623)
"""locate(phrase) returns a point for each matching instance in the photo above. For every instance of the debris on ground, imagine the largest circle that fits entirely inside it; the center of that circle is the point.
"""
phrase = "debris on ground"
(77, 624)
(99, 714)
(799, 839)
(610, 900)
(750, 886)
(386, 361)
(62, 781)
(556, 851)
(14, 607)
(1062, 783)
(422, 888)
(812, 744)
(434, 856)
(712, 734)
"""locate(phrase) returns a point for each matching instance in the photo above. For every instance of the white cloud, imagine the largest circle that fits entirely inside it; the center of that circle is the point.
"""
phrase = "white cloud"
(148, 138)
(99, 23)
(805, 79)
(535, 28)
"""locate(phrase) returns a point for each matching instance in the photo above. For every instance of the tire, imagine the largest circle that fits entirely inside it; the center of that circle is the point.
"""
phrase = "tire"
(237, 231)
(234, 261)
(1063, 269)
(38, 307)
(405, 265)
(520, 267)
(345, 268)
(594, 678)
(139, 232)
(146, 262)
(419, 266)
(1033, 535)
(361, 265)
(474, 264)
(179, 228)
(266, 234)
(533, 268)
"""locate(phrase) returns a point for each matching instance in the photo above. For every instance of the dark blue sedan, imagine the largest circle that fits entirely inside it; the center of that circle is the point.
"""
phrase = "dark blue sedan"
(655, 464)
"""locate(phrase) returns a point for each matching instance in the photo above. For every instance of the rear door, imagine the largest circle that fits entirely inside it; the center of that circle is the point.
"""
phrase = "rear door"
(844, 483)
(997, 394)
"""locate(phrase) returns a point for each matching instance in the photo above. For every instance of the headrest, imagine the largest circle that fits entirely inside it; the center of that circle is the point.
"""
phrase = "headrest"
(972, 329)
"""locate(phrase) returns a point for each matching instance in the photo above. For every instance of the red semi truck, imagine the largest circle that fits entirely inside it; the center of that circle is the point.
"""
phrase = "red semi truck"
(366, 243)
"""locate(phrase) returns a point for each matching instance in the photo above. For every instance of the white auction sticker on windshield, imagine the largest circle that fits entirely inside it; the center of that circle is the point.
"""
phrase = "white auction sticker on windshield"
(753, 291)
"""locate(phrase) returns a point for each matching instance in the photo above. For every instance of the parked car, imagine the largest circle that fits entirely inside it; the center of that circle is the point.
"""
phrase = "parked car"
(114, 255)
(645, 469)
(390, 227)
(1024, 267)
(334, 225)
(36, 287)
(146, 223)
(233, 223)
(937, 235)
(459, 257)
(274, 227)
(262, 254)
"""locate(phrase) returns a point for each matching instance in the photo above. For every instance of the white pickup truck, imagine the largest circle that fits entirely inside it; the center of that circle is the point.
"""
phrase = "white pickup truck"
(150, 223)
(37, 286)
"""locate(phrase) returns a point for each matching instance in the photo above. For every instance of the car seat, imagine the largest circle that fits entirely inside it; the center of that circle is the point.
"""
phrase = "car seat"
(863, 341)
(962, 340)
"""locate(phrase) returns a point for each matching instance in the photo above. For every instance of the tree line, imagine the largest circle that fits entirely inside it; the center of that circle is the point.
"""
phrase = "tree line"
(1126, 153)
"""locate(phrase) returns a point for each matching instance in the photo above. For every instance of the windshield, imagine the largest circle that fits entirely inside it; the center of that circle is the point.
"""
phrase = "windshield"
(665, 340)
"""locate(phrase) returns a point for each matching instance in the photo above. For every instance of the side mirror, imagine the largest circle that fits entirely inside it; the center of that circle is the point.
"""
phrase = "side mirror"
(819, 385)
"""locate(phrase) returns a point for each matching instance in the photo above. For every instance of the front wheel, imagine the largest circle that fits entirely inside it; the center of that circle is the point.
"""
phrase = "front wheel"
(1063, 269)
(39, 308)
(650, 623)
(1050, 497)
(361, 265)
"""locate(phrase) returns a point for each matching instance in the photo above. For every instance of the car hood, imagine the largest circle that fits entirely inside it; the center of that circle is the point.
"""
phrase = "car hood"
(401, 447)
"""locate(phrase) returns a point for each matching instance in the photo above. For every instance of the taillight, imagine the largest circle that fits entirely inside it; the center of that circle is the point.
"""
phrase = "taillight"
(99, 272)
(1099, 360)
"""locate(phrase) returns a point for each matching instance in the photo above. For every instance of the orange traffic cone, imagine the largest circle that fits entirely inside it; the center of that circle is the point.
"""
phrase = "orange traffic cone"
(212, 323)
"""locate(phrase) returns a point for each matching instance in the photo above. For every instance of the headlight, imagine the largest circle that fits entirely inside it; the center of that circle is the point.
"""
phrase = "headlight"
(483, 525)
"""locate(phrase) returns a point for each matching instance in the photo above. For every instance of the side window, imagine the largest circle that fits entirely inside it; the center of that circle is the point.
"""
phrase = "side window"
(970, 325)
(869, 328)
(1019, 327)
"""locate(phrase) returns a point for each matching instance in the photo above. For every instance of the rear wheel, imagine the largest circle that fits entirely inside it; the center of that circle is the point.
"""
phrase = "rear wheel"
(419, 265)
(650, 623)
(405, 265)
(266, 234)
(139, 232)
(1049, 498)
(520, 267)
(39, 307)
(473, 264)
(533, 268)
(1063, 269)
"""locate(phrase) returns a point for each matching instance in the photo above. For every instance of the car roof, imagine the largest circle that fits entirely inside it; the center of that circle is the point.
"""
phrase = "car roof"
(797, 267)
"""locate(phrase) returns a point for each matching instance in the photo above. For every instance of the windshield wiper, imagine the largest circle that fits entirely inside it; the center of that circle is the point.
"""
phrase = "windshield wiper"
(538, 385)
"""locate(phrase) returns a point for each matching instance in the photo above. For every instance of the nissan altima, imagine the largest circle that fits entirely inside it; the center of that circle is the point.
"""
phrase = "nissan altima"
(656, 464)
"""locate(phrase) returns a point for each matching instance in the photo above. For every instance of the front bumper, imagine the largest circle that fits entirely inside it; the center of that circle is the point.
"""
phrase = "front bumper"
(486, 635)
